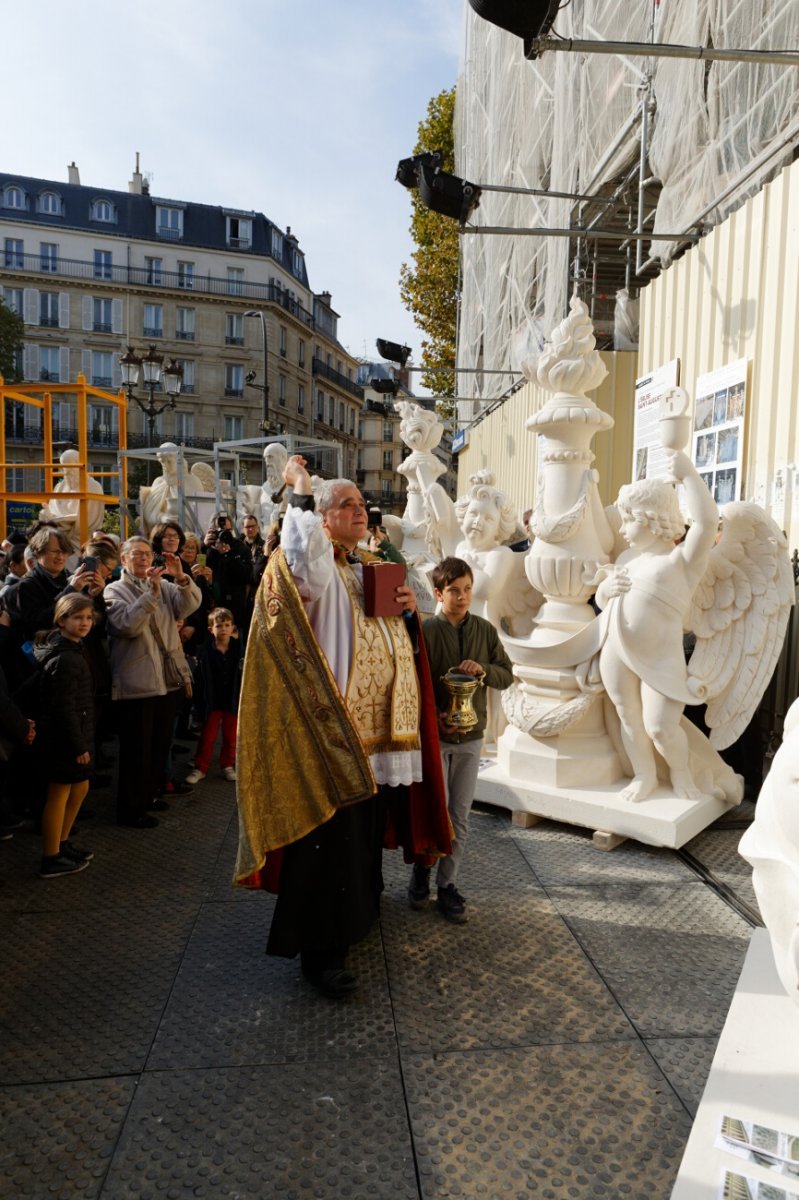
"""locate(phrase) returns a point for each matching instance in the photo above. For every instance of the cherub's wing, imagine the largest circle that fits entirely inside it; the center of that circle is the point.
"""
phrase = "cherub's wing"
(520, 601)
(205, 476)
(739, 614)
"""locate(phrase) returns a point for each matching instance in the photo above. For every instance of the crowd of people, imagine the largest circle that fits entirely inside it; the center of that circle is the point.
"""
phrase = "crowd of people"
(141, 641)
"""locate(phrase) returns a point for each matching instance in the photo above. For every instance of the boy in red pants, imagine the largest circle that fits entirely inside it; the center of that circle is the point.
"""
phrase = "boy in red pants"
(221, 662)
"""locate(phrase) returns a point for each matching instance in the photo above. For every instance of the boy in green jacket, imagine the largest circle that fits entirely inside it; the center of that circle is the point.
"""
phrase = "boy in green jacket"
(458, 640)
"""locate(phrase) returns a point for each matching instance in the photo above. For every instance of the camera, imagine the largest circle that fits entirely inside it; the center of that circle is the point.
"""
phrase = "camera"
(89, 562)
(226, 536)
(159, 560)
(221, 522)
(375, 518)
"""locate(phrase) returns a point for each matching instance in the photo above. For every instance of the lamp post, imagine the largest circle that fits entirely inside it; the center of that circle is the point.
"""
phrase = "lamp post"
(151, 367)
(264, 387)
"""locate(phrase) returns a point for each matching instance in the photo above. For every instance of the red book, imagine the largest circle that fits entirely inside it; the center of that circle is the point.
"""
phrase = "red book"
(380, 581)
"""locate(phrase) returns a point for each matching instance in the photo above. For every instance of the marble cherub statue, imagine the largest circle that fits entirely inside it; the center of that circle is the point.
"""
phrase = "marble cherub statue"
(64, 510)
(771, 845)
(735, 597)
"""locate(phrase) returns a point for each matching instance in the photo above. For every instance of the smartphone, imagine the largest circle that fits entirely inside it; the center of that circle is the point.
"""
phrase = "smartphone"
(159, 560)
(201, 560)
(374, 519)
(89, 562)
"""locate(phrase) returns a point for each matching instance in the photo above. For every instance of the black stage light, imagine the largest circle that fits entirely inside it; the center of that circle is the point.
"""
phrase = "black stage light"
(386, 387)
(408, 168)
(527, 19)
(447, 194)
(393, 351)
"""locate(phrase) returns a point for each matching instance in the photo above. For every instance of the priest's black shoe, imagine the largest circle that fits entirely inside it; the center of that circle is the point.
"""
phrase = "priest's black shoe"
(334, 981)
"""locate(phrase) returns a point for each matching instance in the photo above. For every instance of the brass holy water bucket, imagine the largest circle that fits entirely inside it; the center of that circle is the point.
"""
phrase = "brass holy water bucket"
(461, 688)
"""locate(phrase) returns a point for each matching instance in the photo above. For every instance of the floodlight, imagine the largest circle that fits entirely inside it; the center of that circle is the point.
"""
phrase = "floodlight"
(527, 19)
(393, 351)
(408, 168)
(447, 194)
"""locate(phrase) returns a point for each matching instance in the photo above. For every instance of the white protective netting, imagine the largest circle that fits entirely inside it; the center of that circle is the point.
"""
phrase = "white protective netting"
(568, 122)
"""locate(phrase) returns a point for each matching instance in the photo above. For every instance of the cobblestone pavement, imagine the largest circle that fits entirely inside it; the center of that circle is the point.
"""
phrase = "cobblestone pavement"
(556, 1046)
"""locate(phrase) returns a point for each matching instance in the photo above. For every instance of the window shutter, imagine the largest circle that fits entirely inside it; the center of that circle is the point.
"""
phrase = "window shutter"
(86, 364)
(116, 316)
(63, 364)
(116, 369)
(88, 312)
(30, 308)
(30, 360)
(63, 310)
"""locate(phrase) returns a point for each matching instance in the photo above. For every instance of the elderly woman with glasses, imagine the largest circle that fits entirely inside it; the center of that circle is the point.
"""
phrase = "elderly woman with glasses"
(143, 610)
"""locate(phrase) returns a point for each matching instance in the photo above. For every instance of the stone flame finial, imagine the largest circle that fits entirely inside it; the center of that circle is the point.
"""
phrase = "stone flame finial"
(571, 363)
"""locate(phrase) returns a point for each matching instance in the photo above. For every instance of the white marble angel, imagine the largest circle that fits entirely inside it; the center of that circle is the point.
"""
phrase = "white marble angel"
(771, 844)
(735, 596)
(160, 501)
(63, 510)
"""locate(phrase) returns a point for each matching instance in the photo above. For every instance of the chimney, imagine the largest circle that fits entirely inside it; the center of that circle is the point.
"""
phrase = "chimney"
(326, 298)
(136, 183)
(73, 174)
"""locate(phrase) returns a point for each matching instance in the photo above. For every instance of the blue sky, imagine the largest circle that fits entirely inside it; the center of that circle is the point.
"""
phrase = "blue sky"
(297, 108)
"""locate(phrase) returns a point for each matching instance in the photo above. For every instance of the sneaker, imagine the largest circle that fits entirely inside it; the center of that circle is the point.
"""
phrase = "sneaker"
(419, 887)
(75, 852)
(451, 904)
(195, 776)
(230, 774)
(59, 864)
(176, 788)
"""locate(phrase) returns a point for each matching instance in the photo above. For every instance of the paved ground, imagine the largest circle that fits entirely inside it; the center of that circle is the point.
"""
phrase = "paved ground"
(556, 1046)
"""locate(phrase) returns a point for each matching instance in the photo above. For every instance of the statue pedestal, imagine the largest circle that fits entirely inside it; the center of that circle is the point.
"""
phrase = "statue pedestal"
(754, 1079)
(662, 820)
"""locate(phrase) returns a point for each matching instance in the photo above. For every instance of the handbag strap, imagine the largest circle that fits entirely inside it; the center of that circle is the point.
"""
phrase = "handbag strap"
(157, 635)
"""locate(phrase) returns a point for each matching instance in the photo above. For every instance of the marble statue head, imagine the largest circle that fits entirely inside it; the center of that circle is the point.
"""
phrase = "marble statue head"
(275, 459)
(420, 428)
(71, 475)
(654, 503)
(485, 514)
(771, 845)
(168, 458)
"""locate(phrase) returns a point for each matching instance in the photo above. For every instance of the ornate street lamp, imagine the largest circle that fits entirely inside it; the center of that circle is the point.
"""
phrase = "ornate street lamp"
(151, 367)
(262, 387)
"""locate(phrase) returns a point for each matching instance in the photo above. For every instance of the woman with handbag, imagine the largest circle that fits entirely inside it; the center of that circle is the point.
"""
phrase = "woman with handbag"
(149, 672)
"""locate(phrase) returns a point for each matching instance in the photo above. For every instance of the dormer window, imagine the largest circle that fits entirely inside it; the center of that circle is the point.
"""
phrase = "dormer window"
(103, 210)
(169, 222)
(277, 244)
(50, 203)
(13, 197)
(239, 233)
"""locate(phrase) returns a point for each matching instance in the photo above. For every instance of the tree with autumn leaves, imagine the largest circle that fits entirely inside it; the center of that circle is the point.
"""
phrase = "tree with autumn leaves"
(429, 285)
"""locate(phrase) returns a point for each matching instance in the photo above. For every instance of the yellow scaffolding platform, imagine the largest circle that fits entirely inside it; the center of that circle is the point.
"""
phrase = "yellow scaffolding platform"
(40, 396)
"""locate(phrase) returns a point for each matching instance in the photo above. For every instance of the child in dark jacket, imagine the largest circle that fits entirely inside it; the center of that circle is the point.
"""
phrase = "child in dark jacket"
(67, 731)
(220, 663)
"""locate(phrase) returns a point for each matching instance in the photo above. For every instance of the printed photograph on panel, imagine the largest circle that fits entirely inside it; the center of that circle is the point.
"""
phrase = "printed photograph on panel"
(707, 476)
(720, 407)
(641, 458)
(735, 401)
(703, 414)
(727, 445)
(705, 454)
(724, 488)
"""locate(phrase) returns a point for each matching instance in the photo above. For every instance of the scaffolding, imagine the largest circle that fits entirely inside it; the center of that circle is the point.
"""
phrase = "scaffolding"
(662, 146)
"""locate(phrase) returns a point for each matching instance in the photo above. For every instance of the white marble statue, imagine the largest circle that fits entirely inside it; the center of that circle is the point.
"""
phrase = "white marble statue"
(64, 510)
(771, 845)
(274, 492)
(421, 429)
(160, 501)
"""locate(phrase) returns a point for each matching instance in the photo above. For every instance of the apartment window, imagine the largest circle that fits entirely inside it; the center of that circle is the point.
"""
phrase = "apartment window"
(388, 460)
(320, 406)
(101, 316)
(234, 329)
(14, 197)
(50, 202)
(234, 380)
(235, 281)
(108, 481)
(102, 369)
(281, 390)
(352, 422)
(239, 233)
(300, 398)
(153, 320)
(341, 415)
(48, 309)
(64, 421)
(184, 425)
(12, 298)
(14, 256)
(283, 339)
(186, 274)
(102, 210)
(277, 244)
(101, 424)
(331, 410)
(102, 264)
(359, 460)
(388, 431)
(296, 263)
(48, 363)
(301, 353)
(385, 488)
(48, 256)
(154, 267)
(189, 385)
(184, 324)
(234, 428)
(169, 222)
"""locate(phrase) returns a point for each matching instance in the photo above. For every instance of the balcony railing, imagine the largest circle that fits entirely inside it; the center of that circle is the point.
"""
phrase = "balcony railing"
(155, 331)
(99, 439)
(184, 335)
(234, 341)
(239, 243)
(49, 376)
(321, 368)
(150, 276)
(168, 234)
(49, 322)
(102, 381)
(102, 327)
(234, 391)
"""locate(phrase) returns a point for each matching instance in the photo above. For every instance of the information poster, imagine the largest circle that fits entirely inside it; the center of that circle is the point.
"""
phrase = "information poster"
(719, 430)
(649, 459)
